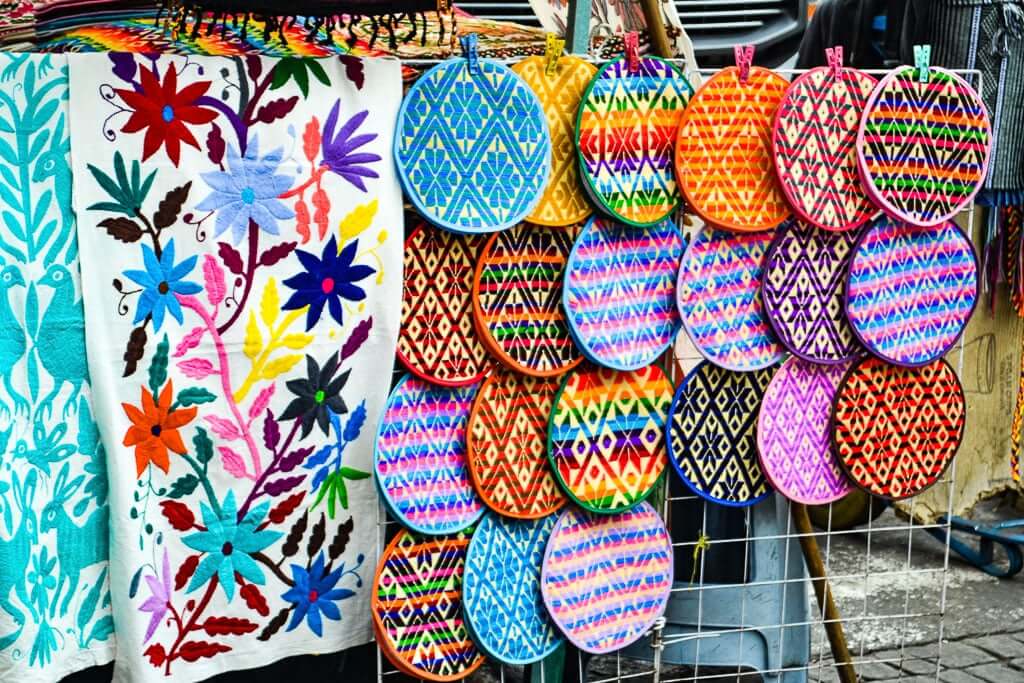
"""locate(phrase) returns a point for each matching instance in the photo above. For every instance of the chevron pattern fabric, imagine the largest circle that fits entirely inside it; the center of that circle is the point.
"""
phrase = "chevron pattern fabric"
(625, 135)
(724, 156)
(420, 457)
(712, 434)
(606, 437)
(719, 297)
(506, 445)
(417, 606)
(517, 299)
(911, 291)
(606, 578)
(473, 152)
(437, 340)
(501, 595)
(620, 291)
(564, 201)
(924, 148)
(804, 291)
(793, 437)
(896, 430)
(815, 146)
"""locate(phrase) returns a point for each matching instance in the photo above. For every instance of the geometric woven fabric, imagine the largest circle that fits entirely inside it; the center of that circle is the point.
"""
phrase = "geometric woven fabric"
(606, 578)
(607, 435)
(793, 433)
(719, 297)
(712, 434)
(625, 134)
(417, 606)
(803, 291)
(517, 297)
(473, 151)
(564, 200)
(420, 459)
(895, 429)
(620, 291)
(923, 148)
(724, 152)
(911, 290)
(501, 593)
(815, 145)
(506, 445)
(437, 340)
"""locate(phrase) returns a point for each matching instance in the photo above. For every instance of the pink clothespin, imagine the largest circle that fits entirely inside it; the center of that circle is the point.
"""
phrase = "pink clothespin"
(632, 41)
(744, 60)
(834, 57)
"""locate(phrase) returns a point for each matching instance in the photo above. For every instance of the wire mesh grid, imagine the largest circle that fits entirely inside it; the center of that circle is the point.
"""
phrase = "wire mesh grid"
(885, 629)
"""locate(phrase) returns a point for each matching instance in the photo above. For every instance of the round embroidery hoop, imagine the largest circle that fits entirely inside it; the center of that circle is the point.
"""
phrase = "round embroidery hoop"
(620, 467)
(406, 637)
(437, 340)
(517, 299)
(804, 291)
(815, 159)
(711, 434)
(507, 445)
(501, 596)
(606, 578)
(899, 175)
(793, 436)
(419, 457)
(618, 163)
(452, 146)
(564, 200)
(719, 299)
(635, 267)
(910, 291)
(889, 462)
(711, 157)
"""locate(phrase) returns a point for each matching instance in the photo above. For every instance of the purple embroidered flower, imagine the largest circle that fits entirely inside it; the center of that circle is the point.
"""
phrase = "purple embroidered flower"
(327, 280)
(159, 600)
(340, 150)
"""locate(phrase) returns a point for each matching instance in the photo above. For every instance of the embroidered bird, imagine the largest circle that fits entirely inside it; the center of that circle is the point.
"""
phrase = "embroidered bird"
(12, 339)
(64, 319)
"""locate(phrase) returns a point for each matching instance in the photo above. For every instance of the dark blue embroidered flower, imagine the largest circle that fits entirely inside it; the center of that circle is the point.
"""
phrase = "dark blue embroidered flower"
(339, 150)
(314, 593)
(328, 280)
(161, 281)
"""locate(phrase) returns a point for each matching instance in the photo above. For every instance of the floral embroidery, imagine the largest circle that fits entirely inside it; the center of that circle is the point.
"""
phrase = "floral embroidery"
(327, 280)
(155, 428)
(162, 281)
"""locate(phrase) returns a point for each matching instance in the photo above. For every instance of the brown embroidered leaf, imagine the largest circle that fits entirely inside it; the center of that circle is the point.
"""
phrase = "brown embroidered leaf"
(283, 485)
(276, 109)
(228, 626)
(294, 459)
(122, 229)
(275, 624)
(254, 66)
(185, 571)
(316, 539)
(195, 650)
(276, 253)
(135, 350)
(231, 258)
(356, 339)
(180, 517)
(254, 600)
(215, 146)
(341, 539)
(170, 206)
(286, 507)
(291, 544)
(353, 70)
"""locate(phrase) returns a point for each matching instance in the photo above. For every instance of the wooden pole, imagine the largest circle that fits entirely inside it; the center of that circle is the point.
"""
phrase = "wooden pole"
(832, 619)
(656, 28)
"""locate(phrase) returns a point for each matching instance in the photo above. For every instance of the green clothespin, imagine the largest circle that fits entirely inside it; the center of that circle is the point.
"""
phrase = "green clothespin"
(922, 62)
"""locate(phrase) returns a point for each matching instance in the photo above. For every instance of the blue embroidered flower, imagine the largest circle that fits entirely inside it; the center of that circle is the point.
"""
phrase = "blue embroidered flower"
(327, 280)
(229, 544)
(248, 191)
(340, 150)
(314, 593)
(161, 281)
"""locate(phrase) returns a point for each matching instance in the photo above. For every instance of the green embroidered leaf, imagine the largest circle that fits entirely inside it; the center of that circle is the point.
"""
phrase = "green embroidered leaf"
(193, 396)
(109, 206)
(350, 473)
(318, 71)
(204, 446)
(111, 188)
(183, 486)
(158, 366)
(133, 586)
(102, 629)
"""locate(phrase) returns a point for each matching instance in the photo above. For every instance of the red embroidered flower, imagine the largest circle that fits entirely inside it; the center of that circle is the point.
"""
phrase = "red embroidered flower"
(163, 111)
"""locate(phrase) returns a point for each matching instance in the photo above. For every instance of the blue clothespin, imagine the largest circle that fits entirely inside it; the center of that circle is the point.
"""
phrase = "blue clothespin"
(922, 61)
(469, 51)
(744, 59)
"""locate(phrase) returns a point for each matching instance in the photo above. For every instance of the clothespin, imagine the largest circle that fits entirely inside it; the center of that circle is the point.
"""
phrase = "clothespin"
(922, 62)
(834, 57)
(703, 543)
(553, 46)
(744, 59)
(469, 51)
(632, 41)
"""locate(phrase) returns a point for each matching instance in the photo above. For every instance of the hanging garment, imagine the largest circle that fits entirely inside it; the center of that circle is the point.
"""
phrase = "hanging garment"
(241, 229)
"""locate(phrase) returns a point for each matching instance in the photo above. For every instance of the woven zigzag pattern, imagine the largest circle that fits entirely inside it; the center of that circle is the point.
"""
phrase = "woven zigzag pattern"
(815, 147)
(564, 201)
(606, 439)
(895, 429)
(804, 291)
(712, 433)
(473, 151)
(793, 433)
(911, 291)
(518, 296)
(421, 459)
(626, 131)
(437, 340)
(417, 605)
(501, 592)
(606, 578)
(924, 146)
(507, 445)
(724, 155)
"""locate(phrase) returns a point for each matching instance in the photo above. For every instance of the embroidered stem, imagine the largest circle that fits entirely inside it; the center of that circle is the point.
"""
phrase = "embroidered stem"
(250, 269)
(313, 178)
(269, 564)
(205, 481)
(255, 492)
(232, 117)
(191, 626)
(253, 375)
(250, 107)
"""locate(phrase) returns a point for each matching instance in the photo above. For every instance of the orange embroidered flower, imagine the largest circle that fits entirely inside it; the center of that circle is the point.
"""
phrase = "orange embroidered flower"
(155, 429)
